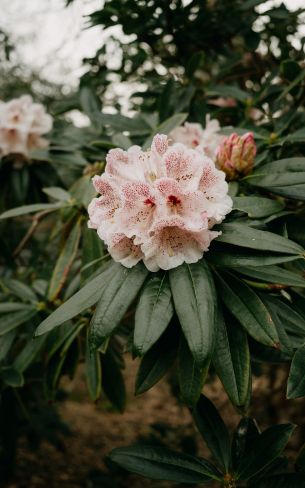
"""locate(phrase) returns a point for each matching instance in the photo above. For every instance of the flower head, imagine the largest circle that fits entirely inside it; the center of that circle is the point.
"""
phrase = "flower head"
(22, 124)
(158, 206)
(236, 155)
(193, 136)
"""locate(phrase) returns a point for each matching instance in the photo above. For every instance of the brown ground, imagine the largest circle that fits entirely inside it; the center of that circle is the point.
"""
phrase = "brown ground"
(96, 429)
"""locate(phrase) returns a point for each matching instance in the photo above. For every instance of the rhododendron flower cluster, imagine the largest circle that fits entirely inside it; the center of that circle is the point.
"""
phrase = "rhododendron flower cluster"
(158, 206)
(193, 135)
(22, 124)
(235, 155)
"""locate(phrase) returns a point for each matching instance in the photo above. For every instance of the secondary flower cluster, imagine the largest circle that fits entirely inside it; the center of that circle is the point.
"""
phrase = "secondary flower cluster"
(158, 206)
(22, 123)
(194, 135)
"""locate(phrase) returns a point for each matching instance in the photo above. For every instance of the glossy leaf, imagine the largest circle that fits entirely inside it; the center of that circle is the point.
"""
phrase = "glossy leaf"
(265, 448)
(244, 236)
(296, 379)
(194, 294)
(121, 290)
(153, 314)
(157, 361)
(13, 320)
(191, 375)
(273, 274)
(82, 300)
(213, 431)
(159, 463)
(65, 261)
(231, 360)
(248, 309)
(257, 207)
(35, 207)
(93, 372)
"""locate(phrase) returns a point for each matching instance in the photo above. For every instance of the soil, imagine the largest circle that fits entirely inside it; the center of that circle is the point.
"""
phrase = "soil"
(156, 416)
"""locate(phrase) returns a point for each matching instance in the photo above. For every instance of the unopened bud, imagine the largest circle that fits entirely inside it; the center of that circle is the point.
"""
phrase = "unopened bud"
(236, 155)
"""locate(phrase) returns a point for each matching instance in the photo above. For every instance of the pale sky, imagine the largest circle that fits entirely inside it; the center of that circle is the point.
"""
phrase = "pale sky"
(53, 38)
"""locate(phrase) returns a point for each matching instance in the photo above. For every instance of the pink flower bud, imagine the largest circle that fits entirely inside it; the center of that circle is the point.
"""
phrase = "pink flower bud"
(235, 155)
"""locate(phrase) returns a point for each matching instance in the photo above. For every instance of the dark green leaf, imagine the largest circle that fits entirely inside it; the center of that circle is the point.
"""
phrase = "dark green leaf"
(12, 320)
(93, 372)
(157, 361)
(35, 207)
(12, 377)
(82, 300)
(153, 314)
(244, 236)
(159, 463)
(231, 360)
(257, 207)
(296, 379)
(273, 274)
(194, 294)
(248, 309)
(113, 381)
(65, 261)
(121, 290)
(267, 447)
(213, 431)
(191, 375)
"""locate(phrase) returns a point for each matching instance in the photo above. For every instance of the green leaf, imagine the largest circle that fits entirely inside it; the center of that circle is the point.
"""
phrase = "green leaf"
(57, 193)
(28, 353)
(228, 91)
(82, 300)
(159, 463)
(289, 316)
(93, 372)
(13, 307)
(65, 261)
(92, 250)
(265, 449)
(257, 207)
(12, 377)
(191, 376)
(90, 103)
(296, 379)
(19, 289)
(5, 343)
(12, 320)
(244, 236)
(166, 127)
(194, 294)
(243, 257)
(157, 361)
(213, 431)
(247, 431)
(83, 191)
(122, 141)
(273, 274)
(122, 289)
(285, 177)
(153, 314)
(113, 381)
(35, 207)
(231, 360)
(248, 309)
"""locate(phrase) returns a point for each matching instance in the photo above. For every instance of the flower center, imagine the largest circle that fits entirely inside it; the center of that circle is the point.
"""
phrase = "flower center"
(148, 201)
(173, 200)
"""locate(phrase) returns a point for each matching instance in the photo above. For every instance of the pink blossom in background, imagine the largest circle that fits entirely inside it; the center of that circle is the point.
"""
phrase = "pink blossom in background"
(236, 155)
(22, 123)
(159, 205)
(193, 135)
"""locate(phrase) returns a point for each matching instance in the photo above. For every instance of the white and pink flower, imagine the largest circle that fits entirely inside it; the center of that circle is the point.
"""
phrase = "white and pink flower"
(193, 135)
(158, 205)
(22, 123)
